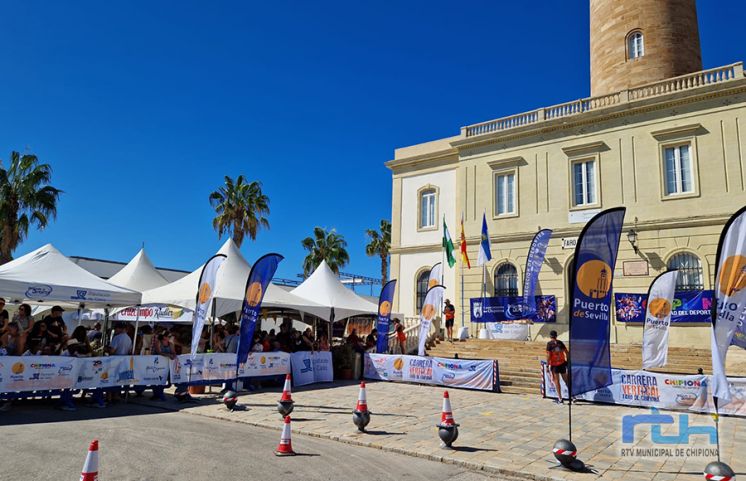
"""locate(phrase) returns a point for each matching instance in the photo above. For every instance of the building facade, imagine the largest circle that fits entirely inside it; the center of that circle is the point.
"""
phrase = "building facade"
(669, 149)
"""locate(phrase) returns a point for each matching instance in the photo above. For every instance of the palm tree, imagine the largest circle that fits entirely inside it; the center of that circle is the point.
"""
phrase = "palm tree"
(324, 246)
(26, 199)
(240, 209)
(380, 244)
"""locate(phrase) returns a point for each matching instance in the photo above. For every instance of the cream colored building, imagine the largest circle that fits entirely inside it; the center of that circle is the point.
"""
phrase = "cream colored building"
(671, 150)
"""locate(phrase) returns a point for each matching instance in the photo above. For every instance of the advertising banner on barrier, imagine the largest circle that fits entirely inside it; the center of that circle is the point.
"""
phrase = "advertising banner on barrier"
(507, 330)
(512, 308)
(664, 391)
(467, 374)
(222, 366)
(688, 306)
(100, 372)
(38, 373)
(309, 368)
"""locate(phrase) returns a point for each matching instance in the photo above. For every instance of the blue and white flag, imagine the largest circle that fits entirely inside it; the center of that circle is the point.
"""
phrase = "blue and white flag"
(485, 254)
(256, 285)
(205, 291)
(536, 253)
(730, 298)
(658, 320)
(384, 315)
(590, 302)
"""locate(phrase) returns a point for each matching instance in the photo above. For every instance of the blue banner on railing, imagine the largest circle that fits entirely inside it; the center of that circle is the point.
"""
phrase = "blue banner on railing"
(512, 308)
(688, 306)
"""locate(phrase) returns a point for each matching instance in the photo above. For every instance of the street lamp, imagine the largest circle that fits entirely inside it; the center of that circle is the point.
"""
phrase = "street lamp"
(632, 238)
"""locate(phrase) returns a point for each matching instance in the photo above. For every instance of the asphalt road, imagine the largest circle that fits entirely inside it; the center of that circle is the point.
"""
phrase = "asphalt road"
(137, 442)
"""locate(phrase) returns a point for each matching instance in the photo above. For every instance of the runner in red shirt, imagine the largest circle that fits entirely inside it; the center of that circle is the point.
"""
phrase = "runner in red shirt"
(450, 314)
(557, 360)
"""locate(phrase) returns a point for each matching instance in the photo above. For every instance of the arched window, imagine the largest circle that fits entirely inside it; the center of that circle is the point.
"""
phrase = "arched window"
(422, 288)
(690, 271)
(427, 208)
(635, 45)
(506, 280)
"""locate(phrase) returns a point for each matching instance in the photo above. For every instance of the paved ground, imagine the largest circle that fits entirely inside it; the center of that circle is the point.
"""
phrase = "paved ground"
(146, 443)
(500, 433)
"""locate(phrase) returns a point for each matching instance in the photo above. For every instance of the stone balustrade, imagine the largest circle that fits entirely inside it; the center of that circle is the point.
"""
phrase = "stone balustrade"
(691, 81)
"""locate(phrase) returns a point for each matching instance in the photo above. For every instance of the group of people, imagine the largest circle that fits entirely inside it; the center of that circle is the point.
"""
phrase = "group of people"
(288, 339)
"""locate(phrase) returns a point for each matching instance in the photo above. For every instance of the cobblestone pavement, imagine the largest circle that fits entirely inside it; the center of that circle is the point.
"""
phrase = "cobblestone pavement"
(500, 433)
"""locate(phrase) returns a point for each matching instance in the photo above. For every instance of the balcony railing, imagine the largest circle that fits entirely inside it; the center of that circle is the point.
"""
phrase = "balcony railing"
(676, 84)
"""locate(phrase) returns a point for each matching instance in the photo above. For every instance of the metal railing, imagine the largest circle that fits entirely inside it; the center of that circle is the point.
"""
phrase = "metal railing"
(412, 331)
(691, 81)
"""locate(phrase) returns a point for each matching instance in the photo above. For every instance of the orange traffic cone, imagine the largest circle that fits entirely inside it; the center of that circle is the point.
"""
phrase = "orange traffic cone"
(362, 402)
(446, 417)
(286, 390)
(285, 448)
(90, 468)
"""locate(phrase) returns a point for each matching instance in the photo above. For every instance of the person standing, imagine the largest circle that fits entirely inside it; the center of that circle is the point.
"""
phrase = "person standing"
(401, 336)
(450, 314)
(121, 343)
(557, 361)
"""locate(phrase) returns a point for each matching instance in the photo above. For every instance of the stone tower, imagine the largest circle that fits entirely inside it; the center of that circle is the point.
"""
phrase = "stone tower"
(634, 42)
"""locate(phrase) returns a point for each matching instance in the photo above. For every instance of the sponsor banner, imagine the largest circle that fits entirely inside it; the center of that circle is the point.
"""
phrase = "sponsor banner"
(39, 373)
(430, 309)
(311, 367)
(507, 330)
(512, 308)
(100, 372)
(658, 390)
(536, 253)
(384, 315)
(432, 370)
(658, 320)
(205, 291)
(222, 366)
(688, 306)
(153, 313)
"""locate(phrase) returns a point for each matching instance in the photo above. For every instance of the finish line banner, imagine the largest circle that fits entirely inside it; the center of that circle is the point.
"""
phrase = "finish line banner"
(481, 375)
(41, 373)
(310, 368)
(512, 308)
(222, 366)
(658, 390)
(694, 306)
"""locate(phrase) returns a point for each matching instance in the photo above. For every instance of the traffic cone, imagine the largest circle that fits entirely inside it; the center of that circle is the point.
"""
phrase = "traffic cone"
(90, 468)
(285, 448)
(286, 390)
(446, 417)
(362, 403)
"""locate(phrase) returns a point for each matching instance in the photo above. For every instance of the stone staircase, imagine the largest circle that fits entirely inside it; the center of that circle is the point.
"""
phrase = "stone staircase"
(520, 371)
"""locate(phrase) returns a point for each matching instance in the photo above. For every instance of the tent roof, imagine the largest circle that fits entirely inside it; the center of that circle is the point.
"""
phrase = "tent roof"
(323, 287)
(229, 289)
(46, 275)
(139, 274)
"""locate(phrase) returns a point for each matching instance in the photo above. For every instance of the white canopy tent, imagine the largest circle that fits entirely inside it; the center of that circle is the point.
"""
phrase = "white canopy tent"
(139, 274)
(229, 289)
(46, 276)
(323, 287)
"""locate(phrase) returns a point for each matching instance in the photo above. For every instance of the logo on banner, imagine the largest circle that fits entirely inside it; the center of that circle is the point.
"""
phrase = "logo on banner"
(432, 283)
(384, 309)
(80, 294)
(660, 308)
(594, 278)
(18, 368)
(35, 292)
(733, 275)
(205, 292)
(398, 364)
(307, 367)
(428, 311)
(254, 294)
(655, 419)
(477, 309)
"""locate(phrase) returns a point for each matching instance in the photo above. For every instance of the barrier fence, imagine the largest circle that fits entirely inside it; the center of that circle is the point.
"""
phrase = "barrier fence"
(462, 373)
(658, 390)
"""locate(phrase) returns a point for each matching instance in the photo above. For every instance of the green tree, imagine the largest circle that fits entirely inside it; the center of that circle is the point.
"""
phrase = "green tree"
(26, 199)
(241, 209)
(324, 246)
(379, 245)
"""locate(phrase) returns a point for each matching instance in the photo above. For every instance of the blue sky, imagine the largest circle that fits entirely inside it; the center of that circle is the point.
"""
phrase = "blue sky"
(143, 107)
